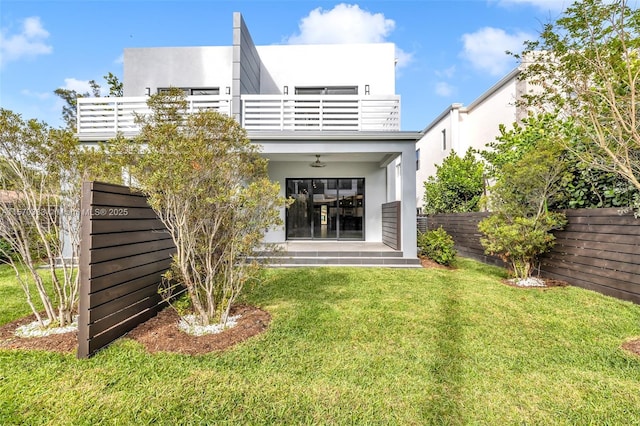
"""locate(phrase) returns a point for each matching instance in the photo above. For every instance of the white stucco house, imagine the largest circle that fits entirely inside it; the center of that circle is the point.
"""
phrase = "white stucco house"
(462, 127)
(326, 116)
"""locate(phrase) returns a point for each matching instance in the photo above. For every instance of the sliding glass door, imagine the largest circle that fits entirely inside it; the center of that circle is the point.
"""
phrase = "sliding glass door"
(326, 208)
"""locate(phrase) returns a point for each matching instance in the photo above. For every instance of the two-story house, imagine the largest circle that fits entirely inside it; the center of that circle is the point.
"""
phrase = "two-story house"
(461, 127)
(327, 118)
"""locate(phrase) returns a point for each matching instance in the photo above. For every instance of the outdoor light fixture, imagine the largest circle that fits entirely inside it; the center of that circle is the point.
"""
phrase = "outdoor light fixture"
(286, 90)
(367, 90)
(227, 90)
(317, 163)
(147, 91)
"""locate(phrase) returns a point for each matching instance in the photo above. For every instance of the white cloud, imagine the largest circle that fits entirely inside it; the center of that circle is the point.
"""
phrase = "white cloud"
(404, 58)
(486, 49)
(83, 86)
(119, 60)
(444, 89)
(343, 24)
(28, 43)
(447, 73)
(346, 23)
(80, 86)
(37, 95)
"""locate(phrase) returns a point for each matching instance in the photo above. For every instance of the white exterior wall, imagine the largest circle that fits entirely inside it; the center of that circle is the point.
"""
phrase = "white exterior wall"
(328, 65)
(431, 152)
(281, 65)
(374, 179)
(176, 66)
(482, 121)
(467, 127)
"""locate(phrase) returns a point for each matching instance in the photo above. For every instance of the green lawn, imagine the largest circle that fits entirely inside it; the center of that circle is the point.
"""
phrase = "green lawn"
(359, 346)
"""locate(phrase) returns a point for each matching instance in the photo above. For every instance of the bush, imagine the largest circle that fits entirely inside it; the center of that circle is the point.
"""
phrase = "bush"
(437, 245)
(519, 241)
(6, 251)
(457, 186)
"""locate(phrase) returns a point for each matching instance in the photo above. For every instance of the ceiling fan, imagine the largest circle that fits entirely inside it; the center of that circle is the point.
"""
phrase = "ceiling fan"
(318, 163)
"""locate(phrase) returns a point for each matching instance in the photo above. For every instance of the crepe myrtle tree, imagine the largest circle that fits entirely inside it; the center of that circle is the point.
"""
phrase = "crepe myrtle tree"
(209, 186)
(586, 66)
(41, 170)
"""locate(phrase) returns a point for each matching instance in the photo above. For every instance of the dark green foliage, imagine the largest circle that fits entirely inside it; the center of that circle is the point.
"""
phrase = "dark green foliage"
(519, 240)
(531, 173)
(457, 186)
(6, 251)
(512, 145)
(594, 188)
(582, 185)
(437, 245)
(586, 65)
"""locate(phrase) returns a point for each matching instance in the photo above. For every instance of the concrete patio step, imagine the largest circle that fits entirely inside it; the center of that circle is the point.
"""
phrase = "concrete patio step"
(339, 258)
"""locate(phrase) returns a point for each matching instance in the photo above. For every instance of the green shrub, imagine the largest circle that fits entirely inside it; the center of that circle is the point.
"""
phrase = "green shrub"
(520, 240)
(457, 185)
(437, 245)
(6, 250)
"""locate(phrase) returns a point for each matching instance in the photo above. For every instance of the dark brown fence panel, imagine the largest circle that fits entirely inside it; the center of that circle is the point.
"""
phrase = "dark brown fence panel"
(391, 221)
(463, 227)
(124, 251)
(599, 249)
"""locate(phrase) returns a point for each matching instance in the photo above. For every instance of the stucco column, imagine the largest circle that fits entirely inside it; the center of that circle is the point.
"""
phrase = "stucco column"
(409, 228)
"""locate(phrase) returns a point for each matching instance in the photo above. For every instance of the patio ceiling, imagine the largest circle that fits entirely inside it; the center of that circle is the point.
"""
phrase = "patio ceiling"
(378, 147)
(367, 157)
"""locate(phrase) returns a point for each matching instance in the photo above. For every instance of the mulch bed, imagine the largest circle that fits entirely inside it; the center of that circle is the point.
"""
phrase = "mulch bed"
(430, 264)
(159, 334)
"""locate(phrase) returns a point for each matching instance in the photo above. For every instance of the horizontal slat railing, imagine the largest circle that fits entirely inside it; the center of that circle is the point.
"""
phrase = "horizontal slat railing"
(109, 116)
(391, 224)
(326, 113)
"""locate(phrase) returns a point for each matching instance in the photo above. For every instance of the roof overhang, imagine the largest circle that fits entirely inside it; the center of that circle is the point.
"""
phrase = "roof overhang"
(292, 146)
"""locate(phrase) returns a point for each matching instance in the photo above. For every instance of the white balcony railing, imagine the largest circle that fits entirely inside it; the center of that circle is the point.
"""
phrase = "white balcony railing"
(308, 112)
(108, 116)
(105, 117)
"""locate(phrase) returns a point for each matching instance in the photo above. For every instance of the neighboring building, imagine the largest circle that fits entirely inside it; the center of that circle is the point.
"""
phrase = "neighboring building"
(307, 106)
(460, 128)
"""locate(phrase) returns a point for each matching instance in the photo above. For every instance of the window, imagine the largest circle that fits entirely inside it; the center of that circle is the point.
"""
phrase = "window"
(188, 91)
(444, 139)
(327, 90)
(345, 184)
(418, 159)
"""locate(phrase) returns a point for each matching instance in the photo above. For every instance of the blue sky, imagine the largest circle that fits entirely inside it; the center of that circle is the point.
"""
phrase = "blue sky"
(449, 51)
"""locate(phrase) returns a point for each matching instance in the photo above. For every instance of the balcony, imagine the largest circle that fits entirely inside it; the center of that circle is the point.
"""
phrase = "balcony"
(325, 113)
(103, 118)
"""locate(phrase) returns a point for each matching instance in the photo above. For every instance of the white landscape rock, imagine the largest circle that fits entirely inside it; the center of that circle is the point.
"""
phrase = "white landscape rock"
(33, 329)
(528, 282)
(187, 324)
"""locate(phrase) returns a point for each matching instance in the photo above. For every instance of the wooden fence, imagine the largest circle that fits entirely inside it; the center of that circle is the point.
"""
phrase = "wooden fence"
(599, 249)
(391, 225)
(124, 250)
